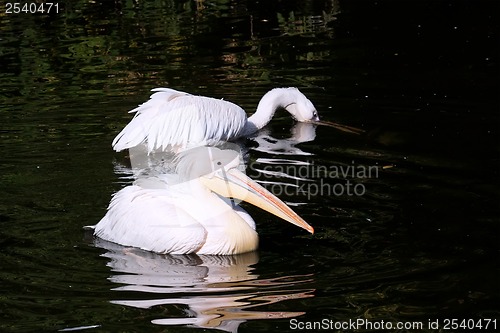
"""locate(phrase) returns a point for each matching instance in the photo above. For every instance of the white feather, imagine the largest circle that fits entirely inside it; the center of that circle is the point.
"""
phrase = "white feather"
(150, 219)
(177, 119)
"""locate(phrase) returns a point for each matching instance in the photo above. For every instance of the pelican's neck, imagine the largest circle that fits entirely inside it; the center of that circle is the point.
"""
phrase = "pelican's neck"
(230, 234)
(227, 231)
(269, 103)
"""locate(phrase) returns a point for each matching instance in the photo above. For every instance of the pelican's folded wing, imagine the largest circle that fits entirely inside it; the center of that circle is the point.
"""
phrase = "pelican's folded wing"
(171, 119)
(139, 218)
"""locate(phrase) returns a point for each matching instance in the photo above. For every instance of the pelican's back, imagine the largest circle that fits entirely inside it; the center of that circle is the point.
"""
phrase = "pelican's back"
(173, 119)
(150, 219)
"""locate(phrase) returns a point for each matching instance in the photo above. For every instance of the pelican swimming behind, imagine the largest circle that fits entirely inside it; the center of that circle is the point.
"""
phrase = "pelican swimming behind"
(188, 212)
(175, 120)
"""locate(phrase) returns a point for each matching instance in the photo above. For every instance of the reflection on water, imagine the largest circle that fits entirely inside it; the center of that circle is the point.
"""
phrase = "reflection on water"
(218, 292)
(300, 133)
(280, 159)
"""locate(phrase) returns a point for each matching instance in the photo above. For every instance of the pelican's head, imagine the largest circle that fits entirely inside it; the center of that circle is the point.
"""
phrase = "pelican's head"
(300, 107)
(205, 161)
(219, 171)
(303, 110)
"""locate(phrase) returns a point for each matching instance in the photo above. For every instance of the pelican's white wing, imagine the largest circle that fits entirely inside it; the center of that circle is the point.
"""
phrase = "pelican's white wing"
(151, 220)
(173, 119)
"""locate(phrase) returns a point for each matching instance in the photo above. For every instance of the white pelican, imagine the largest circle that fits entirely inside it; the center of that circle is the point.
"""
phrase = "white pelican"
(185, 213)
(172, 119)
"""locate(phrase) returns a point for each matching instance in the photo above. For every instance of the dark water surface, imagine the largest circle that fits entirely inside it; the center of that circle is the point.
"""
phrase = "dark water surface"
(419, 242)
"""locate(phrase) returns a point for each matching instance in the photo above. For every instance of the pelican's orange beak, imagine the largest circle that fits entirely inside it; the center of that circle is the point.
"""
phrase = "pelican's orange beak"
(233, 183)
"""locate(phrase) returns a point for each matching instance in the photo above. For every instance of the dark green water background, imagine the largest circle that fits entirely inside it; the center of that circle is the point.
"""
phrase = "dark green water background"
(421, 77)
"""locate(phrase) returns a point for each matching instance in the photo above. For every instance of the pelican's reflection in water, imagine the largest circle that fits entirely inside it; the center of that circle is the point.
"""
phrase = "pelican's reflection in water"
(300, 133)
(286, 171)
(218, 292)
